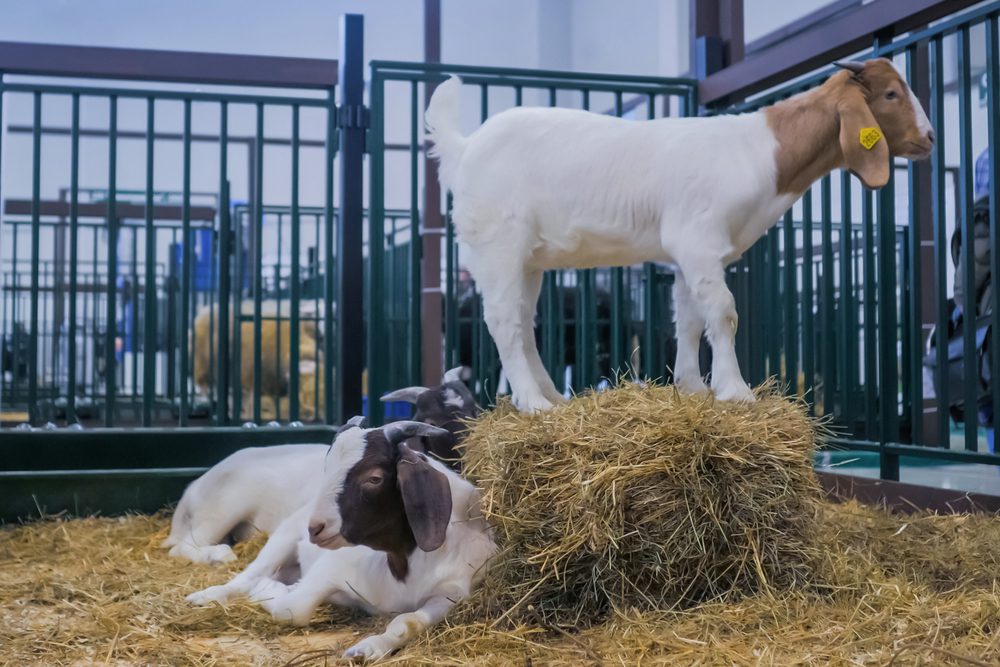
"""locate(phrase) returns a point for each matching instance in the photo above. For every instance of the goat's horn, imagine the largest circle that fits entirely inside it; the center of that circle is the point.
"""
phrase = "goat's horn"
(851, 65)
(456, 374)
(408, 394)
(354, 422)
(397, 432)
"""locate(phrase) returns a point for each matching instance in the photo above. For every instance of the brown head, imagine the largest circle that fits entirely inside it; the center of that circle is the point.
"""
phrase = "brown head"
(857, 120)
(379, 493)
(874, 96)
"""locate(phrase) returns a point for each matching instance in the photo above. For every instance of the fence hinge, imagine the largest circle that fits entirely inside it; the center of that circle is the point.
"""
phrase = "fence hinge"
(353, 115)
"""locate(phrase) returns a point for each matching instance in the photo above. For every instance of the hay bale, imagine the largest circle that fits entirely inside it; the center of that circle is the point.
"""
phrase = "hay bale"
(641, 498)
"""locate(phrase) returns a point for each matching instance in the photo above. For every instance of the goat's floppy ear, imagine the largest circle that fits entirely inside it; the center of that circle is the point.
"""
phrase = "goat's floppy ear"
(426, 498)
(865, 149)
(408, 394)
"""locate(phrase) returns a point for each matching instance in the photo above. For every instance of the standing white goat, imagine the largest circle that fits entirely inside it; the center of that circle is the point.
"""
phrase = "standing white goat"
(541, 188)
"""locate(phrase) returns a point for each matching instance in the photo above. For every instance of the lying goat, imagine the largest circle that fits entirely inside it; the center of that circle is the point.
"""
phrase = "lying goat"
(252, 490)
(543, 188)
(390, 531)
(446, 406)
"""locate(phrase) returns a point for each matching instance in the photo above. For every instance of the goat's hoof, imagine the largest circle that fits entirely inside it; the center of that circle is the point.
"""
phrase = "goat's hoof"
(209, 595)
(369, 648)
(695, 385)
(737, 392)
(531, 405)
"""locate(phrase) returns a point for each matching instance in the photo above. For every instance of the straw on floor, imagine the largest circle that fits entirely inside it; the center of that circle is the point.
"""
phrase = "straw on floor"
(765, 572)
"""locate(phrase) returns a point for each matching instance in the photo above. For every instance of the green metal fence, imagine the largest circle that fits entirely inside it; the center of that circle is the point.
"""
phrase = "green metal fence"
(103, 283)
(852, 330)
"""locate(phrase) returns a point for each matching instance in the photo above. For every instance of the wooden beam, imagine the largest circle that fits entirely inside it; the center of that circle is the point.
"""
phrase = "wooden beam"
(147, 64)
(841, 36)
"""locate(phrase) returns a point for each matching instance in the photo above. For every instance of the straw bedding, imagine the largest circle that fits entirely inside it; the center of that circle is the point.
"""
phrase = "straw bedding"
(822, 584)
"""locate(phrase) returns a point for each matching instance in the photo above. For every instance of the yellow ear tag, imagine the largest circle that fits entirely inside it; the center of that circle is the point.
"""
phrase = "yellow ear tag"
(870, 137)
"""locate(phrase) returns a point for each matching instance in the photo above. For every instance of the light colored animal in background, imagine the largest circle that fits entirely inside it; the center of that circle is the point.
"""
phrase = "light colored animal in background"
(544, 188)
(390, 531)
(445, 406)
(275, 360)
(250, 491)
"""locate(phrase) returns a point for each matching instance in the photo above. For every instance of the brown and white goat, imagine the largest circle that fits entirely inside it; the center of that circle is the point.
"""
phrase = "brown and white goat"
(391, 531)
(537, 189)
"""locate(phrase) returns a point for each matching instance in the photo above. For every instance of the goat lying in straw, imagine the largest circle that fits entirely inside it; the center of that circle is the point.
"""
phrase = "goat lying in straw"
(389, 531)
(256, 488)
(542, 188)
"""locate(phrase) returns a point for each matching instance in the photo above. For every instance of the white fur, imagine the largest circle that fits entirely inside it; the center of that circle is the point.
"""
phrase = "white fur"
(251, 490)
(540, 188)
(359, 577)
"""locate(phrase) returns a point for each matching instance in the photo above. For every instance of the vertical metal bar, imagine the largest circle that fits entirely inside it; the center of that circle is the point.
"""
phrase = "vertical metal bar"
(915, 333)
(618, 355)
(258, 257)
(586, 315)
(182, 328)
(451, 306)
(828, 327)
(36, 180)
(888, 333)
(74, 194)
(941, 244)
(848, 308)
(993, 138)
(226, 318)
(870, 332)
(112, 258)
(350, 268)
(416, 247)
(294, 288)
(808, 300)
(149, 342)
(965, 193)
(790, 297)
(653, 366)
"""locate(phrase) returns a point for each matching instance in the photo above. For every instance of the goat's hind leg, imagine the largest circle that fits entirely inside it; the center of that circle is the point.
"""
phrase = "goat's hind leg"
(529, 308)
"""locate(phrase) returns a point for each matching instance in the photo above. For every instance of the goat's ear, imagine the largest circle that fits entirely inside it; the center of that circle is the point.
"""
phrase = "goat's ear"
(865, 149)
(407, 394)
(426, 498)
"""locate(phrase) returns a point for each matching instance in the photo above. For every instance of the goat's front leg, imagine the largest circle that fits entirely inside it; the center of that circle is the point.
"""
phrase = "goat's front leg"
(506, 291)
(690, 327)
(403, 629)
(325, 577)
(279, 549)
(706, 279)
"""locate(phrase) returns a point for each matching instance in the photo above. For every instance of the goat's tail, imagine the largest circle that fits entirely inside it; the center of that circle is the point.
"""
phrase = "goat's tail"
(443, 122)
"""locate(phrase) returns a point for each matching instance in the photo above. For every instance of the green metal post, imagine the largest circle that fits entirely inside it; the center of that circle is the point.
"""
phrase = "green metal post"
(941, 242)
(258, 261)
(294, 342)
(964, 195)
(112, 286)
(993, 139)
(74, 228)
(36, 179)
(416, 247)
(149, 342)
(183, 325)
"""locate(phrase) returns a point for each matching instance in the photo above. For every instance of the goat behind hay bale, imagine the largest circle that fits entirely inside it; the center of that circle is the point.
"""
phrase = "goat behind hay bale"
(642, 498)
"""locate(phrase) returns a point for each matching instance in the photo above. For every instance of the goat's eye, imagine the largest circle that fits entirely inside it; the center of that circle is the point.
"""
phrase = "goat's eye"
(891, 95)
(374, 480)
